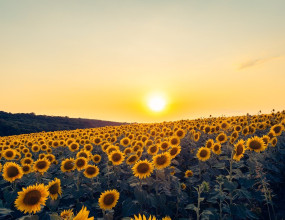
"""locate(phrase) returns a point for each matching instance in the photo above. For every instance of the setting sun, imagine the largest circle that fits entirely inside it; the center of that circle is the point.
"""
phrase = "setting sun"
(156, 103)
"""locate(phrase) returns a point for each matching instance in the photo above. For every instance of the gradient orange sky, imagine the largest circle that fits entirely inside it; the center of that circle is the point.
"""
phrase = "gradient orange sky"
(102, 59)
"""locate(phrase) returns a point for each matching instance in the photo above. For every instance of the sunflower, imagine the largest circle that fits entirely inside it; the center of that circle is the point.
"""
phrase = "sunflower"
(152, 150)
(143, 217)
(32, 198)
(83, 153)
(183, 186)
(164, 145)
(25, 150)
(216, 148)
(66, 214)
(68, 165)
(174, 141)
(132, 159)
(41, 165)
(196, 137)
(255, 143)
(209, 143)
(81, 163)
(174, 151)
(97, 141)
(245, 131)
(74, 146)
(9, 154)
(203, 153)
(166, 218)
(55, 144)
(125, 142)
(44, 147)
(112, 148)
(128, 150)
(50, 157)
(180, 133)
(266, 139)
(148, 143)
(108, 199)
(238, 128)
(54, 188)
(96, 158)
(221, 138)
(42, 155)
(161, 161)
(91, 171)
(88, 147)
(26, 168)
(273, 141)
(234, 135)
(270, 134)
(36, 148)
(277, 129)
(142, 169)
(12, 171)
(239, 150)
(117, 157)
(188, 173)
(83, 214)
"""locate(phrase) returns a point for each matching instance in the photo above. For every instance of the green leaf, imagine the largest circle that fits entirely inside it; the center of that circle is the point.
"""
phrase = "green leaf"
(191, 207)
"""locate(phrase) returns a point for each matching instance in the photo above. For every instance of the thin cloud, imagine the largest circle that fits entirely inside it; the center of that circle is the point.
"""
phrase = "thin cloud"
(255, 62)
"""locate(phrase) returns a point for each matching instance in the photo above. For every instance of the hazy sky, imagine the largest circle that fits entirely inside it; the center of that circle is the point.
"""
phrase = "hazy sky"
(102, 59)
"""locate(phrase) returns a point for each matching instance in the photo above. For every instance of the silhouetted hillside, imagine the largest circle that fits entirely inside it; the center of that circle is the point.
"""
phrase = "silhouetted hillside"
(12, 124)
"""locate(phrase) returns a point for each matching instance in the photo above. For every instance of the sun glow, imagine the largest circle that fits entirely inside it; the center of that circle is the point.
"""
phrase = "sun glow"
(156, 103)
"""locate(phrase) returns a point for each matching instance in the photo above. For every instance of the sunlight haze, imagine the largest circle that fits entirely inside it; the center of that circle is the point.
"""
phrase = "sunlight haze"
(101, 59)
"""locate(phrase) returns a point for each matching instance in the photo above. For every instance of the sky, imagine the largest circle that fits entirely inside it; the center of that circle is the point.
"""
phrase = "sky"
(104, 59)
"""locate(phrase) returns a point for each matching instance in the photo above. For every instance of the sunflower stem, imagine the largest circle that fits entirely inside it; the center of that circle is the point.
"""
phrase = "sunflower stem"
(78, 181)
(200, 170)
(231, 175)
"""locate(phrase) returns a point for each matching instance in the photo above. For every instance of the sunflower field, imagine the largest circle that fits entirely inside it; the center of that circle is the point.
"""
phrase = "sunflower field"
(208, 168)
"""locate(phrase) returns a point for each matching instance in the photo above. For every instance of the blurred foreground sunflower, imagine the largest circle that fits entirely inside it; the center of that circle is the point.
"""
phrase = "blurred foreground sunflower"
(83, 215)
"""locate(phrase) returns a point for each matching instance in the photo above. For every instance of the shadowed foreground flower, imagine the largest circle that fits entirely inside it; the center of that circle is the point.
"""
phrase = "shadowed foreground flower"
(31, 198)
(54, 188)
(143, 217)
(142, 169)
(83, 215)
(109, 199)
